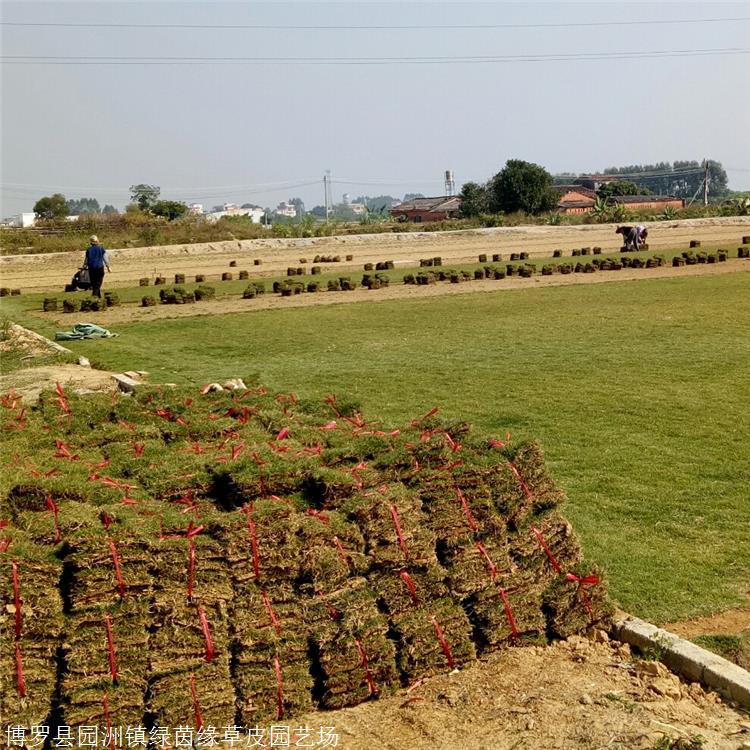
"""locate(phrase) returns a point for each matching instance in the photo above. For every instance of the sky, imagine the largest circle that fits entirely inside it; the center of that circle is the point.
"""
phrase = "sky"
(385, 95)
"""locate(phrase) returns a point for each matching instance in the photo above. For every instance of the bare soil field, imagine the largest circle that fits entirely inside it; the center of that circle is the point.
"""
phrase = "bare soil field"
(52, 271)
(576, 694)
(229, 305)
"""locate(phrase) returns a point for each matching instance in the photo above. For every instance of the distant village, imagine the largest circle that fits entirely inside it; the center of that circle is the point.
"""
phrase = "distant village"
(579, 196)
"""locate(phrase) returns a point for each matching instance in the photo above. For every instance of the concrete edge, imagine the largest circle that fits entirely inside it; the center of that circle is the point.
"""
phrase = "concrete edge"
(685, 658)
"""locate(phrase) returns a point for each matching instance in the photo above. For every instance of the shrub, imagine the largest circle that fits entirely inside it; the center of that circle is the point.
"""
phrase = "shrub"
(585, 251)
(315, 270)
(199, 278)
(111, 299)
(242, 275)
(597, 250)
(257, 261)
(548, 270)
(409, 278)
(232, 264)
(71, 305)
(314, 286)
(368, 267)
(524, 256)
(179, 278)
(49, 304)
(483, 258)
(145, 281)
(498, 274)
(557, 253)
(159, 280)
(334, 285)
(226, 276)
(90, 305)
(514, 256)
(496, 257)
(204, 292)
(576, 253)
(148, 301)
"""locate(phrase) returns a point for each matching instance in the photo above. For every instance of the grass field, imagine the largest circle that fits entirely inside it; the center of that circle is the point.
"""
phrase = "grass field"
(639, 392)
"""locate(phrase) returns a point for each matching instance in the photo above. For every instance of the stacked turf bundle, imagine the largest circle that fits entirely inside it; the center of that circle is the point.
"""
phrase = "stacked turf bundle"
(244, 554)
(272, 670)
(189, 646)
(108, 589)
(31, 629)
(355, 656)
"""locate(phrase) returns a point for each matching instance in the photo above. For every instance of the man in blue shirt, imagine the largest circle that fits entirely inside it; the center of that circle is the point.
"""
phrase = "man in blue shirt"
(96, 260)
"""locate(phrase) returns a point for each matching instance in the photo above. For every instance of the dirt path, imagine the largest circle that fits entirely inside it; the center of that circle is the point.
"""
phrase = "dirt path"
(52, 271)
(575, 694)
(731, 622)
(234, 304)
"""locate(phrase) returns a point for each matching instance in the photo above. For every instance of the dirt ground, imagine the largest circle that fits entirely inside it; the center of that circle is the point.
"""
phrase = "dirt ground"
(52, 271)
(576, 694)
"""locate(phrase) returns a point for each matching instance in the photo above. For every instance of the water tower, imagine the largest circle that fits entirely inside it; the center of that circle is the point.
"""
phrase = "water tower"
(450, 183)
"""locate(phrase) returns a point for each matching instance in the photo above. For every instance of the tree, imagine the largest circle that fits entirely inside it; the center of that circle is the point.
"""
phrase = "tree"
(109, 209)
(79, 206)
(522, 186)
(411, 196)
(144, 195)
(51, 207)
(621, 187)
(681, 178)
(170, 210)
(318, 211)
(474, 199)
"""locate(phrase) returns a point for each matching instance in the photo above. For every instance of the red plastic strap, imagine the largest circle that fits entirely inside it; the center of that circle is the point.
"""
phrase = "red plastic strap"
(524, 486)
(138, 449)
(20, 679)
(342, 552)
(282, 434)
(196, 704)
(237, 449)
(584, 581)
(406, 578)
(108, 721)
(490, 565)
(192, 531)
(553, 561)
(118, 570)
(206, 628)
(467, 510)
(16, 598)
(254, 546)
(51, 505)
(399, 533)
(111, 648)
(191, 568)
(509, 613)
(279, 688)
(271, 614)
(372, 687)
(418, 421)
(443, 643)
(106, 519)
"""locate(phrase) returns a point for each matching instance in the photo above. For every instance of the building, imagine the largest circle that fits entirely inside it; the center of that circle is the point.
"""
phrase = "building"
(255, 214)
(576, 199)
(24, 220)
(422, 210)
(196, 209)
(286, 209)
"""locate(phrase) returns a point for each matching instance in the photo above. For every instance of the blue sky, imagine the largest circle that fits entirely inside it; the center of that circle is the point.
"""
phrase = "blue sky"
(260, 131)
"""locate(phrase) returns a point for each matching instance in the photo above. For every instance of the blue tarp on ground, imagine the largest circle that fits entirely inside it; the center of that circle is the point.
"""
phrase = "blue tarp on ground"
(84, 331)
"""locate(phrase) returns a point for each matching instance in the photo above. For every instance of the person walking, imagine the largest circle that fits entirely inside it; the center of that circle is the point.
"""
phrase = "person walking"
(96, 261)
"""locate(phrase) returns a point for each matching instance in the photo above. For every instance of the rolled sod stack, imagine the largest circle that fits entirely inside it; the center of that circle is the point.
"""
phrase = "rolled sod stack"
(295, 555)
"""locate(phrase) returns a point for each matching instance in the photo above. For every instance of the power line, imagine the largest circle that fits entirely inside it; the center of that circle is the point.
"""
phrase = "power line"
(436, 60)
(367, 27)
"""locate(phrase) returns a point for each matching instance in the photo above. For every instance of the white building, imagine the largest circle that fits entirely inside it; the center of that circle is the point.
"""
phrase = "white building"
(25, 220)
(195, 209)
(286, 209)
(255, 214)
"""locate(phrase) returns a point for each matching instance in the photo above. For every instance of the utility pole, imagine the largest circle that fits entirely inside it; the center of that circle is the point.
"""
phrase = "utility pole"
(705, 182)
(326, 191)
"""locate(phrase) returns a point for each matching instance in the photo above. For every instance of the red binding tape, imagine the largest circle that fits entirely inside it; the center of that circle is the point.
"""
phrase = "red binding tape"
(206, 628)
(399, 533)
(443, 643)
(545, 547)
(196, 704)
(406, 578)
(372, 687)
(16, 598)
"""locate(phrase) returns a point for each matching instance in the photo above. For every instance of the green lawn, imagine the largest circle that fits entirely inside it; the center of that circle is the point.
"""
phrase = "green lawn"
(639, 392)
